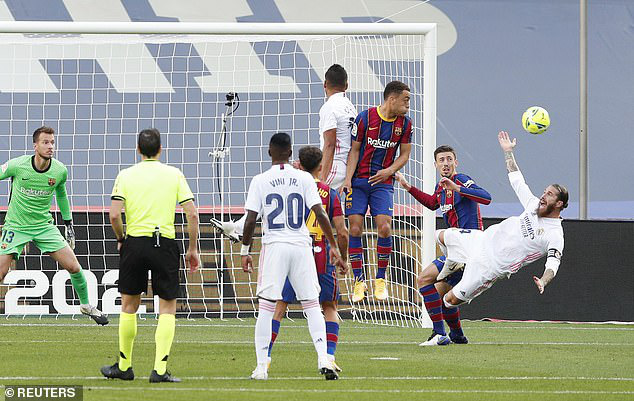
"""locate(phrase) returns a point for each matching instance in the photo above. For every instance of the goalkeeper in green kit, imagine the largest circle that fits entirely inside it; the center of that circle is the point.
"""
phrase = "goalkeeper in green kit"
(34, 180)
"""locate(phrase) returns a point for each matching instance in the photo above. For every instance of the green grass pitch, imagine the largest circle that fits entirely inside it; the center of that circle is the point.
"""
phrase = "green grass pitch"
(503, 361)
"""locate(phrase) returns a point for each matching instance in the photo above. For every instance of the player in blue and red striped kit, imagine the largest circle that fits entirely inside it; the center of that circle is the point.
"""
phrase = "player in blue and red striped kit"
(381, 132)
(458, 197)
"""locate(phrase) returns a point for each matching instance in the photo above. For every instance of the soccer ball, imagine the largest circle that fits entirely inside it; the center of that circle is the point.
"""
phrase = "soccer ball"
(535, 120)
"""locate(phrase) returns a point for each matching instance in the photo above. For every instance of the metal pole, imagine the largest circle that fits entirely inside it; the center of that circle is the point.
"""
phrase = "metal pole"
(219, 154)
(221, 272)
(583, 109)
(215, 28)
(429, 143)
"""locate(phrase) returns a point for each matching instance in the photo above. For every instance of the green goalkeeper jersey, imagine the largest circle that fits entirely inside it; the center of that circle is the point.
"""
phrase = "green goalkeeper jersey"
(32, 192)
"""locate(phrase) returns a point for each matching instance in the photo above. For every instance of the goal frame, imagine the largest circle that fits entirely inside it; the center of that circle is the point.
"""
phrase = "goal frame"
(427, 30)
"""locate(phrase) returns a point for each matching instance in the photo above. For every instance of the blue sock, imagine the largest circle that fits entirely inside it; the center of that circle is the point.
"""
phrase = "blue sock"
(383, 252)
(452, 317)
(332, 336)
(433, 304)
(275, 328)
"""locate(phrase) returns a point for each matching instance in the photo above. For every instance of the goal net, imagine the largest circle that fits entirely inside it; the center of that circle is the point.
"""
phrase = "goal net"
(98, 89)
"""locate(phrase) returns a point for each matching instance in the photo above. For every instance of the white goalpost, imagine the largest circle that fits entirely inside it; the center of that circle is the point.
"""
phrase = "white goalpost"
(216, 92)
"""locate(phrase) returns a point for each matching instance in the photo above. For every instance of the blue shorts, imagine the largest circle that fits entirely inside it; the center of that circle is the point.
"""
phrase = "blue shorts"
(379, 197)
(327, 282)
(452, 279)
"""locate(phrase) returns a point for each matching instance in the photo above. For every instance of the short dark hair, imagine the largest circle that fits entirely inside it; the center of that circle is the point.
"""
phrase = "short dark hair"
(394, 87)
(562, 195)
(337, 77)
(281, 141)
(443, 149)
(42, 130)
(310, 157)
(149, 142)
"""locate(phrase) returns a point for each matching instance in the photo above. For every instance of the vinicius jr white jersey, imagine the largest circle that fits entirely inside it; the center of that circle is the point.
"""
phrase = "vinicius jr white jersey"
(520, 240)
(281, 195)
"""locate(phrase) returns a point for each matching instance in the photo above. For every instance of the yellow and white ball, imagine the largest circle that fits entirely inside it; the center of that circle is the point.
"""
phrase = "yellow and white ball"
(535, 120)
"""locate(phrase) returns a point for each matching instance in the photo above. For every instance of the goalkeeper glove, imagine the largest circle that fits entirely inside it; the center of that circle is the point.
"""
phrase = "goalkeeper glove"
(69, 233)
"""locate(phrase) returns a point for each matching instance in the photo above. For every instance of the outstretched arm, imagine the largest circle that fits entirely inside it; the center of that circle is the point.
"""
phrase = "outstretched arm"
(507, 147)
(429, 201)
(516, 178)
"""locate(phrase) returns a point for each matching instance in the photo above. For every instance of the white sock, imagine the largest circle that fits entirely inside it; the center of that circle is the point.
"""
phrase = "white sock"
(263, 330)
(316, 326)
(239, 224)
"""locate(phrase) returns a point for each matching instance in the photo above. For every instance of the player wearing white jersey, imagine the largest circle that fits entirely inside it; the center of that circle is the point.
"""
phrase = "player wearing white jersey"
(281, 196)
(504, 248)
(336, 121)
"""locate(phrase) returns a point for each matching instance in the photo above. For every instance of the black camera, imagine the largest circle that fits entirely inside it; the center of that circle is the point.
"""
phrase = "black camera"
(230, 98)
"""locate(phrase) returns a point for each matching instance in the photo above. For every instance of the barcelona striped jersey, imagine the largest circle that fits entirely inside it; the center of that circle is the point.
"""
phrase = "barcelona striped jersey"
(332, 206)
(459, 209)
(379, 138)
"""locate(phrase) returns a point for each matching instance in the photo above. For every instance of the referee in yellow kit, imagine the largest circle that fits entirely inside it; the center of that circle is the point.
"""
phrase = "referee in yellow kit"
(149, 191)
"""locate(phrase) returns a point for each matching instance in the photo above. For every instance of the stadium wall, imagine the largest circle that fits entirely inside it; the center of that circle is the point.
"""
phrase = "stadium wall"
(595, 281)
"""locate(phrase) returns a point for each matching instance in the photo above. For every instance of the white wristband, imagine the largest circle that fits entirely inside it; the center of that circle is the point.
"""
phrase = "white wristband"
(244, 250)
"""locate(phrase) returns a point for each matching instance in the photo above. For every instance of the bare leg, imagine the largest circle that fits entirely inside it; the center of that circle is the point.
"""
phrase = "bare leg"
(67, 259)
(451, 299)
(130, 303)
(6, 261)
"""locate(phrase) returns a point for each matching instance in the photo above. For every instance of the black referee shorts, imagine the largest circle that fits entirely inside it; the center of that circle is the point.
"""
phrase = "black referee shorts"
(138, 255)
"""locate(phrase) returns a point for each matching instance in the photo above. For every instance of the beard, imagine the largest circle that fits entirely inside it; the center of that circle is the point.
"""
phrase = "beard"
(548, 210)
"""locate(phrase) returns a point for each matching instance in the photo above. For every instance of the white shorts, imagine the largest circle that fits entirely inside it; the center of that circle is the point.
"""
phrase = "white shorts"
(279, 260)
(337, 174)
(468, 247)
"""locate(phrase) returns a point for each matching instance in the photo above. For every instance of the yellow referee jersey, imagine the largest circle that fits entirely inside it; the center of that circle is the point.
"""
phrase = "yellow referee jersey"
(150, 191)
